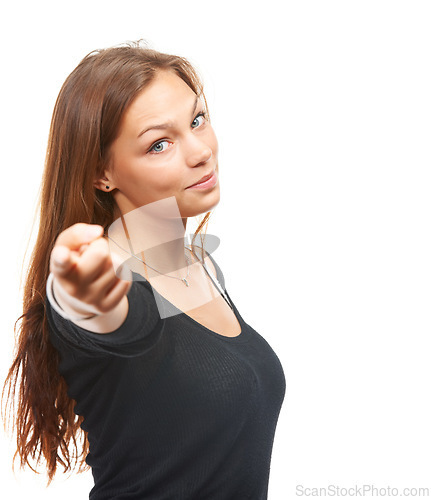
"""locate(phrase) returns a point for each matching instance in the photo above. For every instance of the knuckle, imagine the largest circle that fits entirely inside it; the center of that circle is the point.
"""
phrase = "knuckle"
(99, 254)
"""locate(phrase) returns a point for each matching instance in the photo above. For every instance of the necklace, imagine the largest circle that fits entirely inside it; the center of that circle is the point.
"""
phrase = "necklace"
(184, 280)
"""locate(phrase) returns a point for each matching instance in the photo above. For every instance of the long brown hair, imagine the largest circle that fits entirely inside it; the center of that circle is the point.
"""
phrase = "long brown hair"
(84, 124)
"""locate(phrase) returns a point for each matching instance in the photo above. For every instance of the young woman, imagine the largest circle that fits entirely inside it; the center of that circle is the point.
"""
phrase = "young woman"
(174, 395)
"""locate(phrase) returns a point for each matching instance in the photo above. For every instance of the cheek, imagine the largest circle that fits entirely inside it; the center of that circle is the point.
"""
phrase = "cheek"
(132, 177)
(156, 177)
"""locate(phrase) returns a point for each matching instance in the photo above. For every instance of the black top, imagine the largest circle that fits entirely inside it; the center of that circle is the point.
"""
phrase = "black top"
(173, 410)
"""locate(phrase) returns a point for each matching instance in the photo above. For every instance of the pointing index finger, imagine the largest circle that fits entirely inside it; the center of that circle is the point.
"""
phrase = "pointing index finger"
(79, 234)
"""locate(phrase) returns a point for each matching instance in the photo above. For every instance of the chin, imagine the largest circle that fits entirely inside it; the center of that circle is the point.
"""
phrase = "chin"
(201, 208)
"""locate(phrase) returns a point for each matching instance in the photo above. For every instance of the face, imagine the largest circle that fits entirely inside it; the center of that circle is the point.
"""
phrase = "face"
(165, 145)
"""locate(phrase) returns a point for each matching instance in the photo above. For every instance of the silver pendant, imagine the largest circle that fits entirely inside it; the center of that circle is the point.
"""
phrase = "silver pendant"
(185, 281)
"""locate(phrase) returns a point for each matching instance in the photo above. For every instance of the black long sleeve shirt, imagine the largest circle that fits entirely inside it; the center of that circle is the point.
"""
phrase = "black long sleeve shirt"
(172, 409)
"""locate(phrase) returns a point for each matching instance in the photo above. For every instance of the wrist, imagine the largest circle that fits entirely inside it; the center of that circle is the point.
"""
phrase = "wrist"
(65, 305)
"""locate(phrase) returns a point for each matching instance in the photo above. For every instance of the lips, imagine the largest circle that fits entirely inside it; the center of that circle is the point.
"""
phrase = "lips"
(204, 178)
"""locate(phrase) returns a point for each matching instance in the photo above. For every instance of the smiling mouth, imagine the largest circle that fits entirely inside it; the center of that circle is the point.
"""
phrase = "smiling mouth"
(207, 182)
(204, 179)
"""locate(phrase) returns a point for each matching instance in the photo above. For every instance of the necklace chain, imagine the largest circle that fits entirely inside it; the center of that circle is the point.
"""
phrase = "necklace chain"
(184, 280)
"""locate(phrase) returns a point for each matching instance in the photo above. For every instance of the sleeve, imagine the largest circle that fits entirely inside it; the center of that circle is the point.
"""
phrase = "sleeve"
(137, 334)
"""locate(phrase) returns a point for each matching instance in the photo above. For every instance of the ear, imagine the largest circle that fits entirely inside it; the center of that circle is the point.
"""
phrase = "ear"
(105, 182)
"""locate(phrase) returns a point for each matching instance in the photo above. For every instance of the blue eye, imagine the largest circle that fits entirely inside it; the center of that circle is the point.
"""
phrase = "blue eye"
(158, 147)
(162, 145)
(196, 122)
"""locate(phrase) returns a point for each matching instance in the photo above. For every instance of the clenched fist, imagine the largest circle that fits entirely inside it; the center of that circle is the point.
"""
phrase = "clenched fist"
(85, 281)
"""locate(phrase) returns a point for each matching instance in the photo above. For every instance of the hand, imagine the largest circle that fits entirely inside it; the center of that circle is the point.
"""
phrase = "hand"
(84, 275)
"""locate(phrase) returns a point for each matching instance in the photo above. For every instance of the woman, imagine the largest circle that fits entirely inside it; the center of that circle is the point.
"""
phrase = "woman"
(174, 395)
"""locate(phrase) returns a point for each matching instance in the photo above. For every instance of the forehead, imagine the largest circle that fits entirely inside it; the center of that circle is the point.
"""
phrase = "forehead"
(167, 97)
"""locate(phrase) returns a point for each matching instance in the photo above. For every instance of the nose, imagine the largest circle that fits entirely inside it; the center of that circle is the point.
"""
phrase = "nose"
(198, 152)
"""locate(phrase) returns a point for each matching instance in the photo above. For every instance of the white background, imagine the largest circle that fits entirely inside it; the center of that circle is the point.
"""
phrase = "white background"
(323, 116)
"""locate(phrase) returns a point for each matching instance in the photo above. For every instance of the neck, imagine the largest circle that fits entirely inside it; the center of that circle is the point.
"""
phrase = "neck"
(154, 233)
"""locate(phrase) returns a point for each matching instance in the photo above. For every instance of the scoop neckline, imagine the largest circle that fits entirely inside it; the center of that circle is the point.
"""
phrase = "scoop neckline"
(186, 317)
(212, 332)
(183, 314)
(205, 328)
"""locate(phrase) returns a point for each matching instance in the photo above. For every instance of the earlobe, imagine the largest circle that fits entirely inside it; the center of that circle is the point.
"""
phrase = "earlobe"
(104, 184)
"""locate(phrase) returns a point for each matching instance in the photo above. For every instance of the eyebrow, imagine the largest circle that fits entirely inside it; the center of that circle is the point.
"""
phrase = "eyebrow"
(163, 126)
